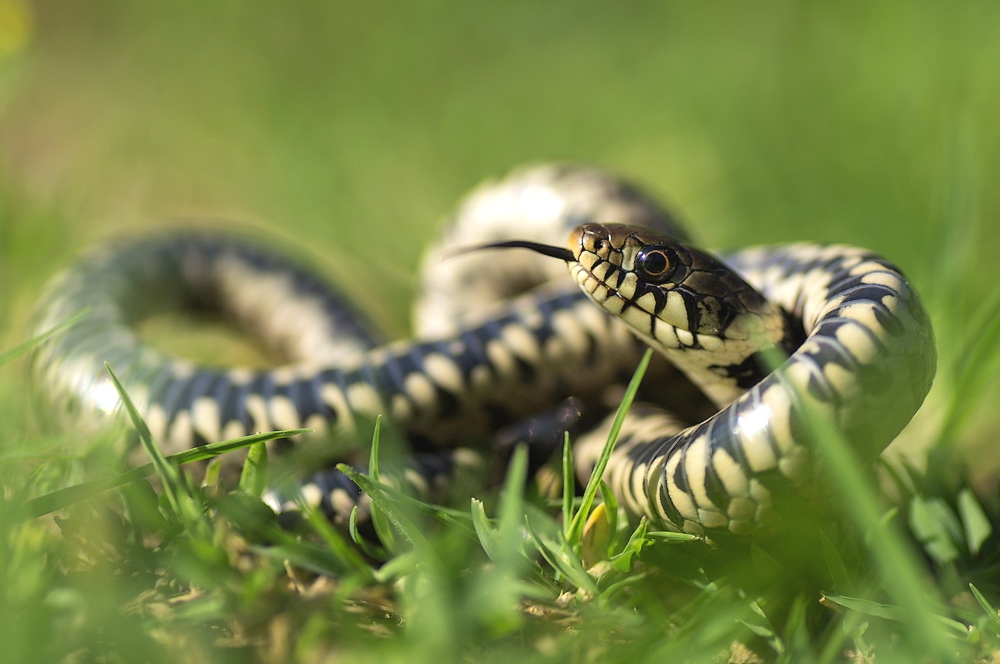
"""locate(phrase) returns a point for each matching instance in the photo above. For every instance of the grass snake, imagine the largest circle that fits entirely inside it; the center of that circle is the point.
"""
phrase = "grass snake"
(501, 337)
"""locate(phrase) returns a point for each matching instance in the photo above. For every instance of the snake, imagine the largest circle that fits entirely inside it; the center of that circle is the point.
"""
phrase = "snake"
(748, 342)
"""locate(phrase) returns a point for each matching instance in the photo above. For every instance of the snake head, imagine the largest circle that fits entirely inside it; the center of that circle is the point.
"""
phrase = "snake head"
(685, 303)
(668, 290)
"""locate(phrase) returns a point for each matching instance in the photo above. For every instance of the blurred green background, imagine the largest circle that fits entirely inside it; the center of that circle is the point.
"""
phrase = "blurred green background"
(352, 128)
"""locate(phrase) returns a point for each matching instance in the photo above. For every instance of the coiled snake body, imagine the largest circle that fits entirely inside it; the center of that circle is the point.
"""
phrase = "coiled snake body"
(859, 342)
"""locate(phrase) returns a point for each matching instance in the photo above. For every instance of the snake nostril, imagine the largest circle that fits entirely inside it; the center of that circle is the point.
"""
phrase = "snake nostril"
(597, 241)
(593, 237)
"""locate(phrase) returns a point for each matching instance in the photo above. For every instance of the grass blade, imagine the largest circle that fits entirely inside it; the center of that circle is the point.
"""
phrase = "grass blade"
(569, 484)
(390, 502)
(62, 498)
(576, 527)
(253, 477)
(9, 355)
(919, 605)
(985, 603)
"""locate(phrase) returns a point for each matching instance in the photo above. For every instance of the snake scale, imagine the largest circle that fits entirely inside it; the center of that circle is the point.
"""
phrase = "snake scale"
(501, 336)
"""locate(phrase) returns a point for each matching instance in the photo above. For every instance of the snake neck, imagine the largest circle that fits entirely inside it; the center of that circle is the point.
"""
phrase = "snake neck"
(724, 369)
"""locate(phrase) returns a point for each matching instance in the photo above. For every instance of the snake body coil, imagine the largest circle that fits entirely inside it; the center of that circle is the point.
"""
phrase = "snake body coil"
(491, 348)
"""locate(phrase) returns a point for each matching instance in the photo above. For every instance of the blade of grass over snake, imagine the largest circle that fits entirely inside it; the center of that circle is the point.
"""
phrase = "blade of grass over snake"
(901, 575)
(253, 477)
(385, 532)
(178, 493)
(9, 355)
(576, 527)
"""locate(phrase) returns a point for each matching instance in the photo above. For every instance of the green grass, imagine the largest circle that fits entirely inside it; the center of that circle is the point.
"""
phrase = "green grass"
(872, 124)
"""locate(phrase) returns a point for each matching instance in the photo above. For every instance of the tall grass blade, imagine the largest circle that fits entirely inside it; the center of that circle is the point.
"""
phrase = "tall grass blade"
(593, 485)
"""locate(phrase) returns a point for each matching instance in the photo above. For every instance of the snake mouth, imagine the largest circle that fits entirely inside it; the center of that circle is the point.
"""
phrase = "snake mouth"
(612, 299)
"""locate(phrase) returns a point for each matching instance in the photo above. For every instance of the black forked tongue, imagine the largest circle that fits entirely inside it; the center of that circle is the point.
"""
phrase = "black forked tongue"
(545, 249)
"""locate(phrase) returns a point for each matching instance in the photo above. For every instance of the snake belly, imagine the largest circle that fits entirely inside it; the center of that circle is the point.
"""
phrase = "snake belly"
(493, 345)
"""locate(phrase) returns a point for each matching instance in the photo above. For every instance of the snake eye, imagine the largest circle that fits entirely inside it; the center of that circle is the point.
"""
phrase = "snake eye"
(655, 264)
